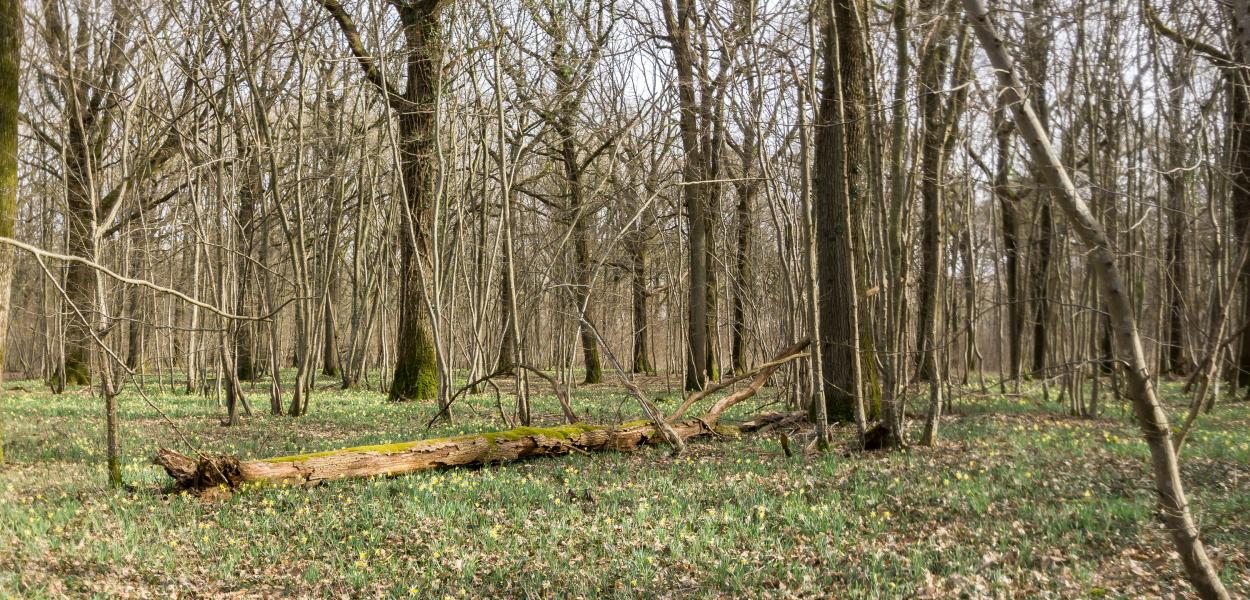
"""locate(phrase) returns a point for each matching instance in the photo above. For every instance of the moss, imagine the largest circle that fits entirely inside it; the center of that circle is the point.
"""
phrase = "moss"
(416, 367)
(642, 364)
(115, 472)
(638, 423)
(562, 432)
(415, 381)
(594, 370)
(379, 448)
(77, 372)
(871, 377)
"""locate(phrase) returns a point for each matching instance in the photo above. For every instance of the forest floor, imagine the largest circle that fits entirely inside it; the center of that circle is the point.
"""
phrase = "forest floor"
(1018, 500)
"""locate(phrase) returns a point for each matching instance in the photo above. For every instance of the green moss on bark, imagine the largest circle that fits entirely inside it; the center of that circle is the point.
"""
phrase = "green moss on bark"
(77, 372)
(562, 432)
(416, 369)
(594, 371)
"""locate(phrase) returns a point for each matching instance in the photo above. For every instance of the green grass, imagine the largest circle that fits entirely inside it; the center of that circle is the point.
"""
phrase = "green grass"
(1018, 500)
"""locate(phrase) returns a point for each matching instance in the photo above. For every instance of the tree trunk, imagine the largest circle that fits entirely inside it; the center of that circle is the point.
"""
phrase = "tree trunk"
(1037, 39)
(590, 348)
(579, 221)
(79, 279)
(840, 170)
(1177, 178)
(1239, 189)
(249, 193)
(416, 365)
(1008, 204)
(743, 277)
(135, 309)
(10, 62)
(678, 24)
(507, 347)
(468, 450)
(932, 172)
(416, 376)
(641, 329)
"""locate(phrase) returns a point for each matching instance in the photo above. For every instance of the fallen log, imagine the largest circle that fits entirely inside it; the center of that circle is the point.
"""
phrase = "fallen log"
(408, 457)
(773, 420)
(210, 471)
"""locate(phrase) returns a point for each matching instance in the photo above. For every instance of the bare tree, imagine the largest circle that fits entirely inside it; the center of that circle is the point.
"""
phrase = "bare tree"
(1150, 414)
(415, 376)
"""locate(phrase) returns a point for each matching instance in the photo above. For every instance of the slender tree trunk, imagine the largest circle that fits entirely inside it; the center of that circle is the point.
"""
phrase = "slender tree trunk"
(678, 24)
(1009, 204)
(743, 277)
(1177, 178)
(1036, 34)
(508, 344)
(248, 193)
(932, 172)
(135, 309)
(193, 337)
(712, 366)
(895, 304)
(581, 250)
(638, 279)
(579, 220)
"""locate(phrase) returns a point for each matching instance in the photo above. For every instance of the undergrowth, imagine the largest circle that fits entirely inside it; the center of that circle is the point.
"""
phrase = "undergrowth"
(1018, 500)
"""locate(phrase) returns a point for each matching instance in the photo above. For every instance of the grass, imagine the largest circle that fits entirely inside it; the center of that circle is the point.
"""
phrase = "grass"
(1018, 500)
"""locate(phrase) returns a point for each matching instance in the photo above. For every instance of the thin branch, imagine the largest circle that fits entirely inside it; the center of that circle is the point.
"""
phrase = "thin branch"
(39, 252)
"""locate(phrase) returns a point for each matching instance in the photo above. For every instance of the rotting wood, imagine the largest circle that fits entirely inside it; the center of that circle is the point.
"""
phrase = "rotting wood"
(210, 471)
(409, 457)
(774, 420)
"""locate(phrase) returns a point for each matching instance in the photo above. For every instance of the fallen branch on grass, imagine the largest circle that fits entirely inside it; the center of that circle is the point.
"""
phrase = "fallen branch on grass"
(760, 373)
(409, 457)
(458, 451)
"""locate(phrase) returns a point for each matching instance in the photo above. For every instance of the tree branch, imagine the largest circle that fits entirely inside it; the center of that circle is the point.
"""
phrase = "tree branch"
(1216, 55)
(393, 98)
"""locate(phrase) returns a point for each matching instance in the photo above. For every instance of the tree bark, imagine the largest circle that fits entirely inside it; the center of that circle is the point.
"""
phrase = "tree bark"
(1008, 204)
(416, 369)
(1038, 42)
(10, 62)
(1239, 189)
(840, 171)
(135, 308)
(1177, 179)
(678, 24)
(249, 193)
(743, 277)
(932, 172)
(508, 343)
(468, 450)
(638, 279)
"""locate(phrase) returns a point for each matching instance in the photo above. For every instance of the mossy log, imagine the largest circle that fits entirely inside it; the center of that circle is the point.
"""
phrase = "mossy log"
(408, 457)
(210, 471)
